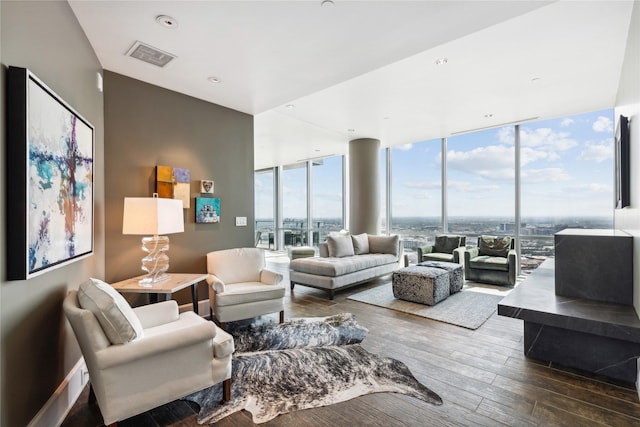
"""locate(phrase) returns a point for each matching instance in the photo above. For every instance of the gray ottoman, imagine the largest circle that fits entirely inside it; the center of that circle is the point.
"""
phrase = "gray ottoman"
(456, 273)
(424, 285)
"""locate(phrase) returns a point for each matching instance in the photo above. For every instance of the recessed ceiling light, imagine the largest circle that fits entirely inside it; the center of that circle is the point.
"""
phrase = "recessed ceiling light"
(327, 3)
(488, 115)
(317, 150)
(214, 79)
(441, 61)
(166, 21)
(535, 79)
(290, 106)
(351, 130)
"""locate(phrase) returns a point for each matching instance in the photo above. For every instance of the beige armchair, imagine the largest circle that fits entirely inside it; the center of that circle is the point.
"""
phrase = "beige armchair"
(160, 355)
(240, 287)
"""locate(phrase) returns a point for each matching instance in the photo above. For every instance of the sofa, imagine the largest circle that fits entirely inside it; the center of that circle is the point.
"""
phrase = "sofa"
(493, 261)
(347, 260)
(445, 249)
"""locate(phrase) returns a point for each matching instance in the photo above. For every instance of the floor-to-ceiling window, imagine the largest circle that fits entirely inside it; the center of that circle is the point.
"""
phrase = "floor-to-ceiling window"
(567, 179)
(264, 208)
(294, 204)
(327, 198)
(416, 189)
(481, 184)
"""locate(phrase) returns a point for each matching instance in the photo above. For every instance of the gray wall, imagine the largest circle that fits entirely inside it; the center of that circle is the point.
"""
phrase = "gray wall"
(628, 104)
(146, 126)
(364, 186)
(37, 347)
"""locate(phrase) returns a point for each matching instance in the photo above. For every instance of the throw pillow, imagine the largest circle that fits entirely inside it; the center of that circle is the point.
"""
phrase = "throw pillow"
(494, 246)
(360, 244)
(119, 323)
(340, 246)
(384, 244)
(446, 244)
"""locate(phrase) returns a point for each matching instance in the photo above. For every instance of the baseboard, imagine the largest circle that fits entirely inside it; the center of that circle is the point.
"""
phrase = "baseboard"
(203, 308)
(60, 403)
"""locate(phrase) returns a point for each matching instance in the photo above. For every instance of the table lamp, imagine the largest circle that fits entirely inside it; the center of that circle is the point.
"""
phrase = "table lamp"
(153, 216)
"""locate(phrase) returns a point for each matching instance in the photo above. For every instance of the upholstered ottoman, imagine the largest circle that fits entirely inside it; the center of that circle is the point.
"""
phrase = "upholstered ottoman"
(424, 285)
(301, 252)
(456, 273)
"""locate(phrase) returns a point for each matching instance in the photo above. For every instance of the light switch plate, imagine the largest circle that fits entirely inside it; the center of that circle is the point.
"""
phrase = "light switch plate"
(241, 221)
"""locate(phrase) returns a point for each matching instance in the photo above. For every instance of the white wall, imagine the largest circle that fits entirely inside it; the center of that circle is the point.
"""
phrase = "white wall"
(628, 104)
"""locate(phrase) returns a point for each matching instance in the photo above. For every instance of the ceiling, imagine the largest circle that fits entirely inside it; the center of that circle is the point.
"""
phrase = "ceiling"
(317, 76)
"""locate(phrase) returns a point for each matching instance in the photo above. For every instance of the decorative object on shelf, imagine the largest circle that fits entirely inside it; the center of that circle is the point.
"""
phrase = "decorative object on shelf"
(49, 179)
(174, 183)
(207, 210)
(206, 186)
(153, 216)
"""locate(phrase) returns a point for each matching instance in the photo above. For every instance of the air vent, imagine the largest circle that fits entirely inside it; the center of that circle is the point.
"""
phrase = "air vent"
(150, 54)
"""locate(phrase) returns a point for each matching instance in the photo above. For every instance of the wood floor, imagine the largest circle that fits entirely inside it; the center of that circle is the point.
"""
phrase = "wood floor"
(482, 377)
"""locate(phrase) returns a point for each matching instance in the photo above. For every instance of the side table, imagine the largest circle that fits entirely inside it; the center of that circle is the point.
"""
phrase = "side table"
(174, 283)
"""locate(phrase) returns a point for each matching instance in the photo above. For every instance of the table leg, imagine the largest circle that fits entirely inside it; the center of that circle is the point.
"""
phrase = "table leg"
(194, 297)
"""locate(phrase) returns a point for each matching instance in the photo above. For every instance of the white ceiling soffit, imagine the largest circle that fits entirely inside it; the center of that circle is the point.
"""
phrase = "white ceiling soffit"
(359, 62)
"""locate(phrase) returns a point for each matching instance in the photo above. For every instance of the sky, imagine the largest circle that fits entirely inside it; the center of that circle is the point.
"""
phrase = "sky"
(567, 171)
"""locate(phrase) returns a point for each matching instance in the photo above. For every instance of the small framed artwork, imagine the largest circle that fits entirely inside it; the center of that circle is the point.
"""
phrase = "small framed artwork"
(206, 186)
(207, 210)
(174, 183)
(49, 179)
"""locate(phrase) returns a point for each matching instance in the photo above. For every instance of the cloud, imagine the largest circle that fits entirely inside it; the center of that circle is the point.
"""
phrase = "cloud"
(566, 122)
(536, 176)
(597, 151)
(602, 124)
(493, 162)
(541, 138)
(588, 189)
(404, 147)
(468, 187)
(423, 185)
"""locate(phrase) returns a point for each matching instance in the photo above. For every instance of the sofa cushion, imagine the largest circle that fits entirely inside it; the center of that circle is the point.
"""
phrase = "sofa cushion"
(494, 246)
(485, 262)
(119, 323)
(360, 244)
(334, 267)
(384, 244)
(340, 246)
(446, 244)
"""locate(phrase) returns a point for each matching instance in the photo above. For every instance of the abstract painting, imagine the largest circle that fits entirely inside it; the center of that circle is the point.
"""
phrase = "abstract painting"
(207, 210)
(57, 145)
(174, 183)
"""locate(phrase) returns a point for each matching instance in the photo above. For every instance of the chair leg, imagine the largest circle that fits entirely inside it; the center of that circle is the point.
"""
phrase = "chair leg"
(282, 316)
(226, 390)
(223, 326)
(92, 396)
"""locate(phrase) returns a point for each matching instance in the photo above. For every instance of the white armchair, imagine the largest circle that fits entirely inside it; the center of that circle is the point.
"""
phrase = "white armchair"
(171, 355)
(240, 287)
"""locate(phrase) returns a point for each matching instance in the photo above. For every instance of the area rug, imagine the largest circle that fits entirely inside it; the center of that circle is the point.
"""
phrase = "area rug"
(268, 383)
(466, 308)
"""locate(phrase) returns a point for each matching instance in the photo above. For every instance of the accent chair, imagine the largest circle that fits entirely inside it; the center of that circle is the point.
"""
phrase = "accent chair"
(240, 287)
(493, 261)
(147, 356)
(444, 249)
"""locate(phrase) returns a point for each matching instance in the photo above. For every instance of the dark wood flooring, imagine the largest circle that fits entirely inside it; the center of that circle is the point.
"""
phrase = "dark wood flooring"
(482, 376)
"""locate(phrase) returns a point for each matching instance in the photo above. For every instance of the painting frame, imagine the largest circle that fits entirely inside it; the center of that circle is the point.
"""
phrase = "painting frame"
(207, 210)
(50, 168)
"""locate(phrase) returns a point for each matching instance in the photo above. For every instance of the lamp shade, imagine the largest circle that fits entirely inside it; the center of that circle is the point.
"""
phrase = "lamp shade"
(152, 216)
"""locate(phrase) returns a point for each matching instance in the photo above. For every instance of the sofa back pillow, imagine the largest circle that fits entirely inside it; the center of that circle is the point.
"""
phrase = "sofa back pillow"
(360, 244)
(446, 244)
(119, 323)
(494, 246)
(340, 246)
(383, 244)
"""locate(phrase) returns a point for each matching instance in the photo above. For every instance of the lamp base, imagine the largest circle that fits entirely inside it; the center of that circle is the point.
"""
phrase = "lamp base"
(156, 263)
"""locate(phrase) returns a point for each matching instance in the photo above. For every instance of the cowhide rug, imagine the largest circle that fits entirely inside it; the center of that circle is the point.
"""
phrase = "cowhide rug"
(269, 382)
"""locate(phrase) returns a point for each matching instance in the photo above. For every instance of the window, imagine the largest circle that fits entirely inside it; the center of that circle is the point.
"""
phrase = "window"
(416, 202)
(294, 204)
(566, 179)
(327, 198)
(481, 183)
(264, 208)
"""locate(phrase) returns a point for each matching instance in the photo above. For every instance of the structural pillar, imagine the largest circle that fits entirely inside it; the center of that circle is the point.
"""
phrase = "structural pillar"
(364, 186)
